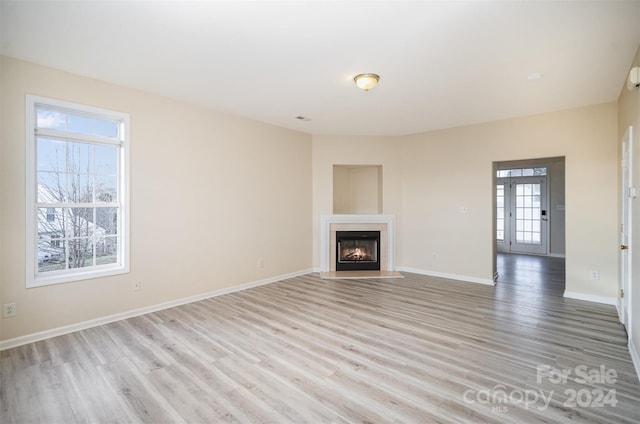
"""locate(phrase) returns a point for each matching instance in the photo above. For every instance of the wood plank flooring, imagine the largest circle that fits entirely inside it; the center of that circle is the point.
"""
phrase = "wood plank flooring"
(411, 350)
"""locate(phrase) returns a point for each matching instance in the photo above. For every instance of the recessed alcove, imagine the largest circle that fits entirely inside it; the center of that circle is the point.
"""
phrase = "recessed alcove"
(357, 189)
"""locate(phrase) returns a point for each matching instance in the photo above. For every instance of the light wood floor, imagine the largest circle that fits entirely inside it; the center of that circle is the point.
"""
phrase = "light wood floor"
(414, 350)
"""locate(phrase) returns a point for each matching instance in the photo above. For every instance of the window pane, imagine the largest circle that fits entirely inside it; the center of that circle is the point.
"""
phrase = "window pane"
(106, 189)
(50, 225)
(76, 123)
(79, 124)
(80, 188)
(107, 221)
(106, 160)
(51, 119)
(107, 250)
(527, 172)
(52, 187)
(540, 171)
(80, 253)
(106, 128)
(79, 222)
(50, 258)
(80, 158)
(51, 154)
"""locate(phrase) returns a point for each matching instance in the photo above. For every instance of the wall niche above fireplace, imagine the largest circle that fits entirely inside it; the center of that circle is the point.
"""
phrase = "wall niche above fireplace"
(357, 189)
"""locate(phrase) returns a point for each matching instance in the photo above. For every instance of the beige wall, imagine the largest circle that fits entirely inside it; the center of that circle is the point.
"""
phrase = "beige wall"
(440, 186)
(198, 179)
(629, 114)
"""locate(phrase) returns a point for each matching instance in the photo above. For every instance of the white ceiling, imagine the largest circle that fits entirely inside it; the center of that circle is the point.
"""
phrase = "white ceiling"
(443, 64)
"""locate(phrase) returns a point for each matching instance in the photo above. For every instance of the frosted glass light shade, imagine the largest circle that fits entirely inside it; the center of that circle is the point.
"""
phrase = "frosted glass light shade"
(366, 81)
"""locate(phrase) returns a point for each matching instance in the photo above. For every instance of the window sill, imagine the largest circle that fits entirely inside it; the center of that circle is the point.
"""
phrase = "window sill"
(68, 277)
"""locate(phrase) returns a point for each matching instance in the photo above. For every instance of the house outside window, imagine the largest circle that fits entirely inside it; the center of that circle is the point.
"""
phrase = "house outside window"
(55, 241)
(77, 192)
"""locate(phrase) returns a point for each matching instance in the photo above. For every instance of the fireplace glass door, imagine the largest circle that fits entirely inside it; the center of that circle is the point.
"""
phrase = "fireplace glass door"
(357, 250)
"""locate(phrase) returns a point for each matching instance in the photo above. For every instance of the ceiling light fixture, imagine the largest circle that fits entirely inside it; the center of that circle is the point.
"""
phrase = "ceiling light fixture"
(366, 81)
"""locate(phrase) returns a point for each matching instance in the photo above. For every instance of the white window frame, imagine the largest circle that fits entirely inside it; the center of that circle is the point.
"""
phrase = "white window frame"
(33, 277)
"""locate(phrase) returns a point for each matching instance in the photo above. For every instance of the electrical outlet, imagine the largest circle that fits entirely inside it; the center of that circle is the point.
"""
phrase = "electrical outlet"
(9, 310)
(137, 285)
(261, 263)
(595, 275)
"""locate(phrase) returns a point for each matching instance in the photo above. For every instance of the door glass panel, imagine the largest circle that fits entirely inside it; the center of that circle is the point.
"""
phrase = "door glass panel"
(500, 212)
(528, 213)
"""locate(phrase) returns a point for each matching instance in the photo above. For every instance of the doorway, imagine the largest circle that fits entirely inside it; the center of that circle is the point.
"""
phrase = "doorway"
(529, 220)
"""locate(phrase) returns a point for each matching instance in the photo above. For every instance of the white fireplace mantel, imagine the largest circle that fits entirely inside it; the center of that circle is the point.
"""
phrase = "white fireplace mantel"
(325, 234)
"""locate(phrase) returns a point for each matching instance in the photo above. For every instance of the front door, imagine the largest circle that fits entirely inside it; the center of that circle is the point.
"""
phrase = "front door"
(522, 215)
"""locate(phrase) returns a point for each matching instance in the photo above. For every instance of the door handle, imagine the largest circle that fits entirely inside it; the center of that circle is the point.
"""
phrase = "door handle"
(624, 247)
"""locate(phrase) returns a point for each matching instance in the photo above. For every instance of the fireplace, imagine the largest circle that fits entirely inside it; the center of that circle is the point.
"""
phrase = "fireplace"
(330, 225)
(357, 250)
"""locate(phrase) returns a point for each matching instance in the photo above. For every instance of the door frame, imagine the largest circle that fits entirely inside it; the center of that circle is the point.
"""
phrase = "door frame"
(506, 246)
(626, 230)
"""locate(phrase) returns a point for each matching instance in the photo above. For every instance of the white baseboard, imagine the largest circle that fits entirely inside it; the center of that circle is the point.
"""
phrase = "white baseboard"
(557, 255)
(635, 358)
(465, 278)
(592, 298)
(59, 331)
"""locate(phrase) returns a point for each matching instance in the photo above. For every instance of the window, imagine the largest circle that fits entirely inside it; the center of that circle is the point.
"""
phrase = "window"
(77, 192)
(500, 212)
(521, 172)
(55, 240)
